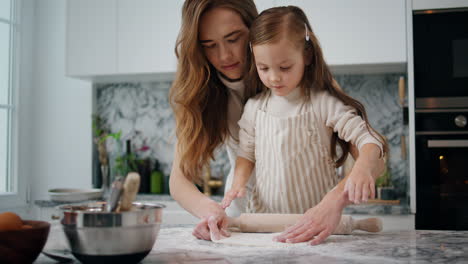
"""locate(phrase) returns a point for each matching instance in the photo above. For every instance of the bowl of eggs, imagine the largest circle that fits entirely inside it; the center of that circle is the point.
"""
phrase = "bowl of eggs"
(21, 241)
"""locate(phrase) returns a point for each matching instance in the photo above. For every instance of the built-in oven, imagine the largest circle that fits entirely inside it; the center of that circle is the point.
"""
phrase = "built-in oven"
(440, 46)
(442, 169)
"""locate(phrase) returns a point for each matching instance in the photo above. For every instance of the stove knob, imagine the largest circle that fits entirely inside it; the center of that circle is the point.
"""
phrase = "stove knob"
(460, 121)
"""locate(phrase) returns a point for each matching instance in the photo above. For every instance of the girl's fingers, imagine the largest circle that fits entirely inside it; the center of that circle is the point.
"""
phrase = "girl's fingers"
(372, 188)
(357, 193)
(320, 237)
(225, 203)
(365, 193)
(231, 195)
(351, 191)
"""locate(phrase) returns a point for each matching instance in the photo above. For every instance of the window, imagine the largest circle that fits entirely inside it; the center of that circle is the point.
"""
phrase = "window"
(7, 51)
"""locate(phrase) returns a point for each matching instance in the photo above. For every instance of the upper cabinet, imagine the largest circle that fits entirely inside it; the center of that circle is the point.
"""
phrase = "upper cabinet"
(147, 32)
(91, 45)
(437, 4)
(120, 38)
(368, 34)
(111, 38)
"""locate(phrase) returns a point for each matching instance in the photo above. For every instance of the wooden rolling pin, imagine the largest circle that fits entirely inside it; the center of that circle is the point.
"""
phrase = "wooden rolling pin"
(271, 223)
(130, 189)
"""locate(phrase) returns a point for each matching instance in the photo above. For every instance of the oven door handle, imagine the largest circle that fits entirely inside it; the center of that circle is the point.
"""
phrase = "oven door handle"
(447, 143)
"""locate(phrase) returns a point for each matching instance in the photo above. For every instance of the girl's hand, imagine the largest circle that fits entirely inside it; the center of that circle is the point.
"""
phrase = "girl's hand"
(360, 185)
(316, 224)
(212, 226)
(235, 192)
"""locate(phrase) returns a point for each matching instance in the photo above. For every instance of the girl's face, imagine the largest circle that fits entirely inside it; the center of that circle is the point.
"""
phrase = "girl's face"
(280, 65)
(223, 36)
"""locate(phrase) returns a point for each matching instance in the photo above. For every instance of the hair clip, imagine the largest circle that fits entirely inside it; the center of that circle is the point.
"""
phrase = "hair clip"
(306, 32)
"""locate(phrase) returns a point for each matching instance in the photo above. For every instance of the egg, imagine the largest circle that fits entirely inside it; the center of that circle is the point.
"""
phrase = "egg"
(10, 221)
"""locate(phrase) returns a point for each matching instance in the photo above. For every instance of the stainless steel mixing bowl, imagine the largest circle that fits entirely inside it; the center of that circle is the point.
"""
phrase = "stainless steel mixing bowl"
(98, 236)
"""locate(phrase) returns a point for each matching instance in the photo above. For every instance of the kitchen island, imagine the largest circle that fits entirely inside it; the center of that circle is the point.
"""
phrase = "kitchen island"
(175, 244)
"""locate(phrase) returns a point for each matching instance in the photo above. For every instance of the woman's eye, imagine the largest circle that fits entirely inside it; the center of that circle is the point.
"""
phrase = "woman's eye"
(209, 46)
(233, 40)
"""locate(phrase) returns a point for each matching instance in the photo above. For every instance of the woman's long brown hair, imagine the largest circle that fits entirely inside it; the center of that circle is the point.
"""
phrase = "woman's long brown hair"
(197, 96)
(288, 21)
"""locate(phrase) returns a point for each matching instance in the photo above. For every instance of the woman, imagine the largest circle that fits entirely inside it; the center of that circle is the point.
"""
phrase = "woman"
(208, 97)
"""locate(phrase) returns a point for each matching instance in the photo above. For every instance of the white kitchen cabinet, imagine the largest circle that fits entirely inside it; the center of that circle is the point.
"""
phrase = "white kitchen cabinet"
(437, 4)
(147, 32)
(91, 37)
(264, 4)
(370, 34)
(116, 39)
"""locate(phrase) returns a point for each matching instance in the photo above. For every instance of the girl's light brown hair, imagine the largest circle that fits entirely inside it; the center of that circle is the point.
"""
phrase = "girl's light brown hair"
(289, 21)
(198, 97)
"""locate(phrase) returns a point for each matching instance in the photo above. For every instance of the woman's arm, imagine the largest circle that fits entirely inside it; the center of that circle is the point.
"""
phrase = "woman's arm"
(214, 219)
(320, 221)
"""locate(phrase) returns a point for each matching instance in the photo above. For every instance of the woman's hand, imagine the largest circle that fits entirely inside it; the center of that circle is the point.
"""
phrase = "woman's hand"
(317, 223)
(360, 185)
(235, 192)
(213, 225)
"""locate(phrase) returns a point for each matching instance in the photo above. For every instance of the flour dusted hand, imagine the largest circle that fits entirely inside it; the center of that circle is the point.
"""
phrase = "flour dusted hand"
(213, 225)
(317, 224)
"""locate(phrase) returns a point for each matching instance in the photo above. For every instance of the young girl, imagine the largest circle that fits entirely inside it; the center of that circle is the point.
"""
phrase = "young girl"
(289, 132)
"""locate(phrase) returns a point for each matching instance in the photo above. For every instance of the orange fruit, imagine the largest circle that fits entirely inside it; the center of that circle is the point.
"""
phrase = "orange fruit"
(10, 221)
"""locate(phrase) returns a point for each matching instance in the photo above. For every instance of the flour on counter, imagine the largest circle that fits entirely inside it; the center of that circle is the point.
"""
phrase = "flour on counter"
(255, 240)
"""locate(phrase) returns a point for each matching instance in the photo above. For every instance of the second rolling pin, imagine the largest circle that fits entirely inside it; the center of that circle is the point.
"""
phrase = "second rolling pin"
(270, 223)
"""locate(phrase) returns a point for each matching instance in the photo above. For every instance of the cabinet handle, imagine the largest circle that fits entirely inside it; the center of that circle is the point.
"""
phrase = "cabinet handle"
(447, 143)
(55, 217)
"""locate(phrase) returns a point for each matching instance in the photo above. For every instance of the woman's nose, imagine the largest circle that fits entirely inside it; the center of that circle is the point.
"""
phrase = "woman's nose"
(225, 53)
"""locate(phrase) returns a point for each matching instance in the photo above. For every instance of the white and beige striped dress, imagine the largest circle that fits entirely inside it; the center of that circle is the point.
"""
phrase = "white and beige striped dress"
(289, 141)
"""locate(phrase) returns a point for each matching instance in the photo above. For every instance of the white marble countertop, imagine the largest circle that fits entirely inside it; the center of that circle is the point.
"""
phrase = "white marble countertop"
(175, 244)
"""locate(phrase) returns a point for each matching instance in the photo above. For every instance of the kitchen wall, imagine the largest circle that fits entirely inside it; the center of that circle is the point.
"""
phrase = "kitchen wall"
(142, 112)
(56, 130)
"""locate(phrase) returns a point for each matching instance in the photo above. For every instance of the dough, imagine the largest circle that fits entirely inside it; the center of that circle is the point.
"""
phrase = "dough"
(255, 240)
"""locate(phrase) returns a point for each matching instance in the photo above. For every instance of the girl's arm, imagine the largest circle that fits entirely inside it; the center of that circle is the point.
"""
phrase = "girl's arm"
(242, 174)
(214, 219)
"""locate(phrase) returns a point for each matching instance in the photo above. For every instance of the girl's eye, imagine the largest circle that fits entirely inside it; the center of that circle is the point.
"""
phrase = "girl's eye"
(285, 68)
(263, 69)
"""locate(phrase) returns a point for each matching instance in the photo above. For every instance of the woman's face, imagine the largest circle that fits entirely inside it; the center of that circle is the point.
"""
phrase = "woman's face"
(224, 36)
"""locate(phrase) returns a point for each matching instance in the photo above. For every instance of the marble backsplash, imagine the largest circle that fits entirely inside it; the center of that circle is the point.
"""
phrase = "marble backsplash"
(143, 114)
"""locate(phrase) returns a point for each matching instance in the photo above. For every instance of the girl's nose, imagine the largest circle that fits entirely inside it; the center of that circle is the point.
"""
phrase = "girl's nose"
(275, 77)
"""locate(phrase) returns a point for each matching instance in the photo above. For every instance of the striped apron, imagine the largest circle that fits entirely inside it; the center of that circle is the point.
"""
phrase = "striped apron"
(294, 169)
